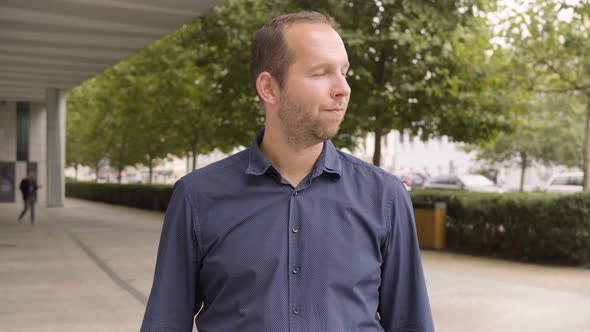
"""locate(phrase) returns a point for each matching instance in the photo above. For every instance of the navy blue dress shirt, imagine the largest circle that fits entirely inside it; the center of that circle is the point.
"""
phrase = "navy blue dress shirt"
(244, 251)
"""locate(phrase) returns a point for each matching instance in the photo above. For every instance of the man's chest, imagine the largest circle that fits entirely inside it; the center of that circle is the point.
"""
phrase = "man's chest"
(302, 234)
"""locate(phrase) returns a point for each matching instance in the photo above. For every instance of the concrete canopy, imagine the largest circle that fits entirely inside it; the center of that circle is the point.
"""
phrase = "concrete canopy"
(61, 43)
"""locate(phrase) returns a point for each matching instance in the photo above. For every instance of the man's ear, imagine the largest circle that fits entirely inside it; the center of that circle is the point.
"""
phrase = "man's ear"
(267, 88)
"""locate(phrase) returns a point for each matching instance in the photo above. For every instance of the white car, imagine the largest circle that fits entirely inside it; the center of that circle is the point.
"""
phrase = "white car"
(565, 183)
(468, 182)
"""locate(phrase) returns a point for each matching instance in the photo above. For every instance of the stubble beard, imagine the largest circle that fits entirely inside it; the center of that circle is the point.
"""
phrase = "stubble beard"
(301, 128)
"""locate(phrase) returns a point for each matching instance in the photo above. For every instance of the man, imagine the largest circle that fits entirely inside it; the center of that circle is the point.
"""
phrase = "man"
(291, 234)
(28, 187)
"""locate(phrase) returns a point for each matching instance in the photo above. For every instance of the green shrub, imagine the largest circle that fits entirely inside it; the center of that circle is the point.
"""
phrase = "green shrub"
(524, 226)
(151, 197)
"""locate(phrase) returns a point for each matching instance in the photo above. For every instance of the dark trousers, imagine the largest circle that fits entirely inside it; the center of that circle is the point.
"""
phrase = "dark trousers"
(29, 202)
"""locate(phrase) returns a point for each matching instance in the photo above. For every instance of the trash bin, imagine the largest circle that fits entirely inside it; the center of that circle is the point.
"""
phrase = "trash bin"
(430, 224)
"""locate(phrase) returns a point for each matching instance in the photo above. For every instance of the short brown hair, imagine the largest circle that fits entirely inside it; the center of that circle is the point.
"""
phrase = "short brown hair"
(270, 51)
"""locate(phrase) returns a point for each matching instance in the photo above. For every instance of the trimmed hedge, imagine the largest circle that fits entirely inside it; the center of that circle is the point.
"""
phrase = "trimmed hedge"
(525, 226)
(151, 197)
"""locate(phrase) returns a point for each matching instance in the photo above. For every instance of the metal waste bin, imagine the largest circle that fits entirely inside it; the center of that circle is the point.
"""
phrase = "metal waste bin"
(431, 224)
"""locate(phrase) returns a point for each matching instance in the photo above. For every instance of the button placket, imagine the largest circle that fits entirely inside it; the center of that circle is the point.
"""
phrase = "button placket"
(294, 272)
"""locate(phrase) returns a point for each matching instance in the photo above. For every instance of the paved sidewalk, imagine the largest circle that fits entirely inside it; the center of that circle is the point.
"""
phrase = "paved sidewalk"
(89, 267)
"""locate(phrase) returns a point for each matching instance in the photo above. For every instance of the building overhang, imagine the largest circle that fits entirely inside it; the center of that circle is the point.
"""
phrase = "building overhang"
(61, 43)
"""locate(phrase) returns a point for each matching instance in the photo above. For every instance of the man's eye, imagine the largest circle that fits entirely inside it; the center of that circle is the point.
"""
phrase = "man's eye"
(319, 74)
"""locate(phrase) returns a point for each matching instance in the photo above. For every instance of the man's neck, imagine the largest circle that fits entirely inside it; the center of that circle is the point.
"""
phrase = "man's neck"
(294, 163)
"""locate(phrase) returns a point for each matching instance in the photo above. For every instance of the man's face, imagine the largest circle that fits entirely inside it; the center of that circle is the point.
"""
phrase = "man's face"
(315, 93)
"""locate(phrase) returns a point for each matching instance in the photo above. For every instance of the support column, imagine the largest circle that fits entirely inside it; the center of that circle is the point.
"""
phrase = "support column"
(56, 146)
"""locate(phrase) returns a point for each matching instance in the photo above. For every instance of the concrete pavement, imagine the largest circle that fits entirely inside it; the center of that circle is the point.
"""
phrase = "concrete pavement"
(89, 267)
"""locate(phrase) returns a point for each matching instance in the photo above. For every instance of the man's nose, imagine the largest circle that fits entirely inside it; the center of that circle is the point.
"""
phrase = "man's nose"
(341, 89)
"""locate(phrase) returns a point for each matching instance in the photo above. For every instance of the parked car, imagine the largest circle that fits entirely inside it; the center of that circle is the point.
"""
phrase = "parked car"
(468, 182)
(565, 183)
(132, 178)
(414, 180)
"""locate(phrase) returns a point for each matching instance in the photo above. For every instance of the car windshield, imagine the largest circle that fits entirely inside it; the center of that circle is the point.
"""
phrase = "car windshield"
(476, 180)
(559, 181)
(567, 180)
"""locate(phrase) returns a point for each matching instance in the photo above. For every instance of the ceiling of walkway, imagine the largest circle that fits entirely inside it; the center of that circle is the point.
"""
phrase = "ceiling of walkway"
(61, 43)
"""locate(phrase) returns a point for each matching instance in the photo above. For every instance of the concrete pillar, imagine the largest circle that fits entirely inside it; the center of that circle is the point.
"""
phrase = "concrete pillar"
(56, 146)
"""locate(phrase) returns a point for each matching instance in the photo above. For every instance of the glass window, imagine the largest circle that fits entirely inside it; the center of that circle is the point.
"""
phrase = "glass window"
(7, 181)
(22, 131)
(560, 181)
(440, 179)
(575, 180)
(477, 180)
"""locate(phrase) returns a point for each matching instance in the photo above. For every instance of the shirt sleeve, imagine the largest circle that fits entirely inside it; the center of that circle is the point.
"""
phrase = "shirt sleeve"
(174, 298)
(403, 298)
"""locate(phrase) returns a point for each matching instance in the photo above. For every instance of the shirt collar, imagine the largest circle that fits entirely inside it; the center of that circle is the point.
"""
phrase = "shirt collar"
(258, 163)
(328, 161)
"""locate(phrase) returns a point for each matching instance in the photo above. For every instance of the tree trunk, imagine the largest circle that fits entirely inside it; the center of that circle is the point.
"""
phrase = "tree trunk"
(523, 166)
(96, 169)
(195, 147)
(119, 170)
(380, 79)
(121, 163)
(586, 182)
(378, 135)
(150, 167)
(76, 169)
(188, 156)
(194, 157)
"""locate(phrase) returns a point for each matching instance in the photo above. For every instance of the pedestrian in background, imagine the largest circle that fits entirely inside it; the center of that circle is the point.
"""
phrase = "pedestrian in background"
(28, 187)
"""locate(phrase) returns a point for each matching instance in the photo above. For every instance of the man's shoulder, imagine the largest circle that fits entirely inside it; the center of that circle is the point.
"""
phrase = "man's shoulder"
(358, 166)
(224, 167)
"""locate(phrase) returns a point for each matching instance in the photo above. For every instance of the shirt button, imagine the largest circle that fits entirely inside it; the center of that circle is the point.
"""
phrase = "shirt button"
(295, 193)
(295, 229)
(295, 270)
(296, 311)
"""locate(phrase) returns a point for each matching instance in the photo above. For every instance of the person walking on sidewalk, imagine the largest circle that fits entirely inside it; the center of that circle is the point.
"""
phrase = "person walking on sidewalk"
(28, 187)
(291, 234)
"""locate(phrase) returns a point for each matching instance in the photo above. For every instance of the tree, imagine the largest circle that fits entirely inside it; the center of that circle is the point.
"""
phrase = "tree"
(218, 46)
(76, 104)
(153, 82)
(423, 67)
(550, 42)
(550, 133)
(86, 132)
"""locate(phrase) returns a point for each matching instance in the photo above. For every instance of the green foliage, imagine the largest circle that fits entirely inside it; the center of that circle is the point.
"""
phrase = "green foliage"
(549, 45)
(218, 46)
(86, 132)
(533, 227)
(424, 67)
(550, 131)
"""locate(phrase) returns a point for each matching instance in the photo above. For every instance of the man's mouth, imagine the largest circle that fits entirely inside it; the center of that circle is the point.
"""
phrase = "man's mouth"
(337, 111)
